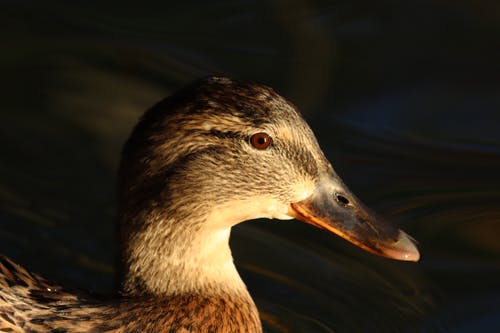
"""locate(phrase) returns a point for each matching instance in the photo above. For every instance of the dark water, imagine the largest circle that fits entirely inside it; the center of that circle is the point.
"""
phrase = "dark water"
(403, 96)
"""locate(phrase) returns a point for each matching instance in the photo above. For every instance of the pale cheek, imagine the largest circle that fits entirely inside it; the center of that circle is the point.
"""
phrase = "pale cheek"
(278, 208)
(302, 190)
(278, 211)
(234, 212)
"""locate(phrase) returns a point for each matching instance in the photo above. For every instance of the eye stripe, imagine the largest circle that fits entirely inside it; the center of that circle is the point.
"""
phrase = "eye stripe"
(224, 134)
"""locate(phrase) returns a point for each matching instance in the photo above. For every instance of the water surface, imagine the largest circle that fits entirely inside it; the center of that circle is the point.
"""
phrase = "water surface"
(403, 97)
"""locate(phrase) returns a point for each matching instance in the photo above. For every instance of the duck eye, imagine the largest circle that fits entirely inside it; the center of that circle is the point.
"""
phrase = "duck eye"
(260, 140)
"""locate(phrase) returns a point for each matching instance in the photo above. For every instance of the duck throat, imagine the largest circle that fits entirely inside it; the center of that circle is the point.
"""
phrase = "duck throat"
(169, 257)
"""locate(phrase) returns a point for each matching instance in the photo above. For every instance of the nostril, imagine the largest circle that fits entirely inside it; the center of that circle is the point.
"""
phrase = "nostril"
(341, 199)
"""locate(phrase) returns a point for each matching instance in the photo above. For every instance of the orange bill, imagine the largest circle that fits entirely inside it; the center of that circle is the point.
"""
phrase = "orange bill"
(334, 208)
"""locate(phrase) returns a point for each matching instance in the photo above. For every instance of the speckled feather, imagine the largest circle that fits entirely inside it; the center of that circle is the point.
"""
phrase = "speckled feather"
(188, 174)
(29, 303)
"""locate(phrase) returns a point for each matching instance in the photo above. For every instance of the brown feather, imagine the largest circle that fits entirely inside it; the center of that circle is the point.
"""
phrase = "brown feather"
(188, 174)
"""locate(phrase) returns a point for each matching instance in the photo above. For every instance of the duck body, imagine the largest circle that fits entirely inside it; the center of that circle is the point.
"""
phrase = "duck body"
(216, 153)
(29, 303)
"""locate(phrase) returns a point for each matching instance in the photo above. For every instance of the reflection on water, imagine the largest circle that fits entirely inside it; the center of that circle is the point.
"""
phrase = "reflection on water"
(409, 121)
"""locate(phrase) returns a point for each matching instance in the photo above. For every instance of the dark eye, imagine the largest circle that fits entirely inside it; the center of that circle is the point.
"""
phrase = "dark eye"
(261, 140)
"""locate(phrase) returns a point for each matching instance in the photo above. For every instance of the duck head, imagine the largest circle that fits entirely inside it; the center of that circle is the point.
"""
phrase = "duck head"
(215, 154)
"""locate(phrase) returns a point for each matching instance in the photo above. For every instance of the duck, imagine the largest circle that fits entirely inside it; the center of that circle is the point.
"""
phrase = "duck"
(216, 153)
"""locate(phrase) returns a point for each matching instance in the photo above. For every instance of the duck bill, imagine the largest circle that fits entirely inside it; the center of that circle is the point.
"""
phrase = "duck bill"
(334, 208)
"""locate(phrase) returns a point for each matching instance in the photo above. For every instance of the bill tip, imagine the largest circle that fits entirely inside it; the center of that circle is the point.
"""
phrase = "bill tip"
(403, 249)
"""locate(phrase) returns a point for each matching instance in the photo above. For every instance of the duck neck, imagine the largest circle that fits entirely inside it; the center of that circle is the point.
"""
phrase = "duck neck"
(169, 256)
